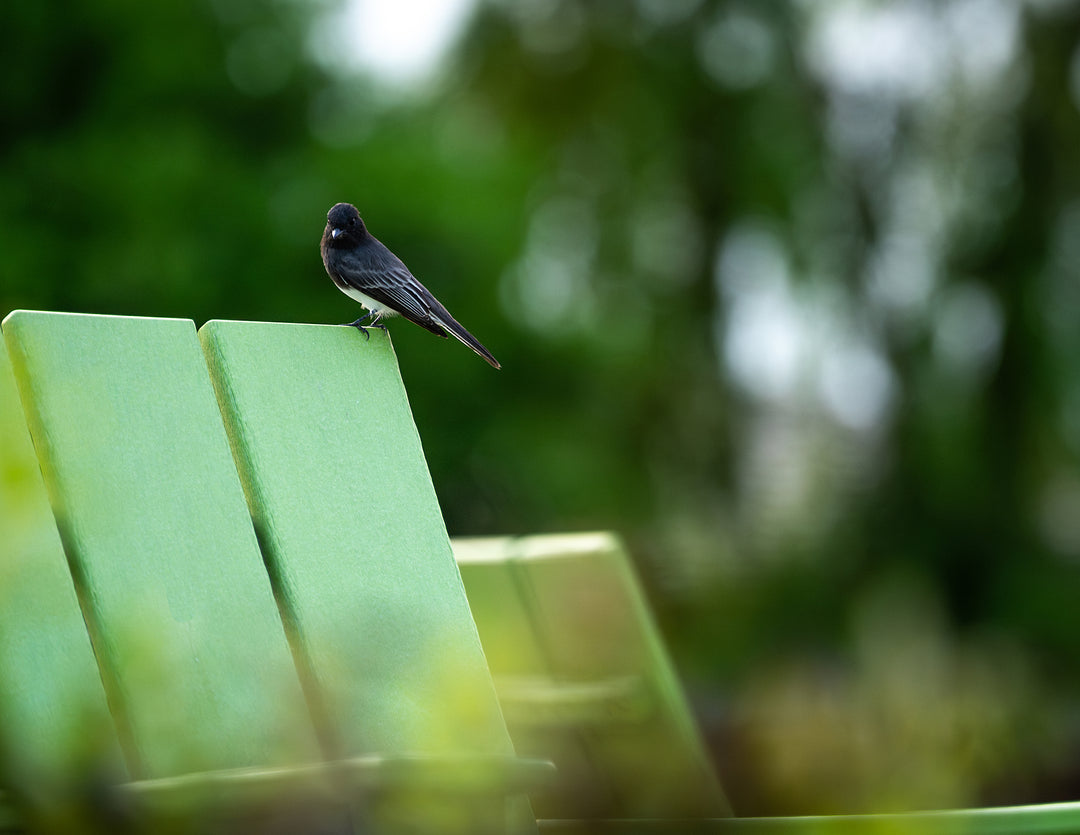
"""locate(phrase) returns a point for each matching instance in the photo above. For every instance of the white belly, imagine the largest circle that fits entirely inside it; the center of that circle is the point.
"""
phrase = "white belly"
(380, 310)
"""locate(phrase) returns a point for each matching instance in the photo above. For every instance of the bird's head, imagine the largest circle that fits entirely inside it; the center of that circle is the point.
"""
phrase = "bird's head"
(343, 226)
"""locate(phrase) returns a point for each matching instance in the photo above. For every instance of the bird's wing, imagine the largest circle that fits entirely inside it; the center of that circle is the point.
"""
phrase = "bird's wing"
(399, 290)
(392, 285)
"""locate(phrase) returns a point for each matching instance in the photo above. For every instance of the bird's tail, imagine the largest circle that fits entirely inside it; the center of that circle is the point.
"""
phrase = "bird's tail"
(450, 324)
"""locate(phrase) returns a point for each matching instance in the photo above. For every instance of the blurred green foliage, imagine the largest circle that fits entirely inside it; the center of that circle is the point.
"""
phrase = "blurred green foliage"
(786, 293)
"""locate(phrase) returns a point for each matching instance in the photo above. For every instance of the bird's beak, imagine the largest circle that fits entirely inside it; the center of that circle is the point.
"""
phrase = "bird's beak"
(335, 232)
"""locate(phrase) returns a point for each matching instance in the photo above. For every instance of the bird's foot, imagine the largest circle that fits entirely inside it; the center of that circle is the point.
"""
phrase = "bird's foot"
(359, 325)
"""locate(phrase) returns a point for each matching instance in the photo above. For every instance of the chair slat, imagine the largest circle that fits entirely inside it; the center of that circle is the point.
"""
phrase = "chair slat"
(55, 726)
(362, 565)
(153, 518)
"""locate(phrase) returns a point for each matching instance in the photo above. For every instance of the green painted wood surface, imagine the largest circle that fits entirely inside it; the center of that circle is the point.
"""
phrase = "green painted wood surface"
(510, 641)
(356, 546)
(154, 522)
(55, 727)
(604, 701)
(513, 644)
(352, 532)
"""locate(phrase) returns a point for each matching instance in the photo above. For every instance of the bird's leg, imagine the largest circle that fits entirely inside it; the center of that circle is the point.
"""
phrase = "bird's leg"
(359, 324)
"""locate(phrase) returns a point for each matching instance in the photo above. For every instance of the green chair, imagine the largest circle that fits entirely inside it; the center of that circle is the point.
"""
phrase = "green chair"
(584, 680)
(583, 677)
(392, 720)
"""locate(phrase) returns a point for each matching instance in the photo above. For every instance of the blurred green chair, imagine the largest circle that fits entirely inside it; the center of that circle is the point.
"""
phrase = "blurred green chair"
(584, 680)
(200, 622)
(583, 677)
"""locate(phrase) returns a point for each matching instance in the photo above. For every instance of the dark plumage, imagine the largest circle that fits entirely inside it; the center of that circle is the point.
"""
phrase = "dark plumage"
(365, 270)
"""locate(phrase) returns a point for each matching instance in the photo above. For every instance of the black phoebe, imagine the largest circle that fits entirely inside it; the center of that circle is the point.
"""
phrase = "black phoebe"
(365, 270)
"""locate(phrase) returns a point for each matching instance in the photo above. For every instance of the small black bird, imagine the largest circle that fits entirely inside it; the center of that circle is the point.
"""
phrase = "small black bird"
(365, 270)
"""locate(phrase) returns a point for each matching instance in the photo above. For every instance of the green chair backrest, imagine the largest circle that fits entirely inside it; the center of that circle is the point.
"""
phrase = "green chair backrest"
(200, 625)
(584, 678)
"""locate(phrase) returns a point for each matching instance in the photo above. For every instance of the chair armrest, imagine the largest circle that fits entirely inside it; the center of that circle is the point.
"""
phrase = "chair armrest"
(1042, 819)
(338, 781)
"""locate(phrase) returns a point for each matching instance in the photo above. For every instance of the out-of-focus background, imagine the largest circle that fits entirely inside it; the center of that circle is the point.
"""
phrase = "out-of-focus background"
(787, 293)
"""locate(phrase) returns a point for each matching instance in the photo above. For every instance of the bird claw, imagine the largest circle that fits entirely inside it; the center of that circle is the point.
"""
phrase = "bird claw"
(358, 324)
